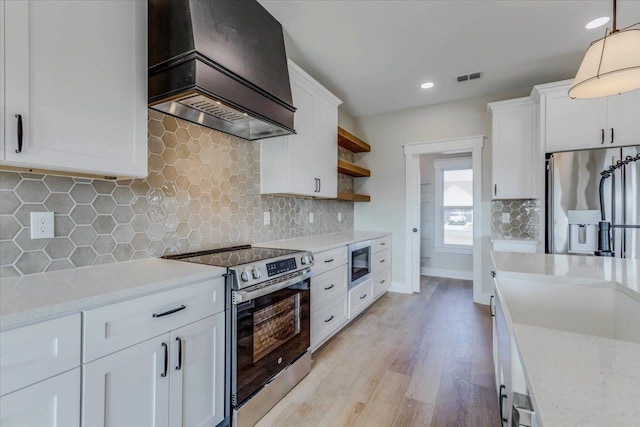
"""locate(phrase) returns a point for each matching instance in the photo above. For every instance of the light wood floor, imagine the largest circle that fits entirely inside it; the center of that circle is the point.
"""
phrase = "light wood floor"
(409, 360)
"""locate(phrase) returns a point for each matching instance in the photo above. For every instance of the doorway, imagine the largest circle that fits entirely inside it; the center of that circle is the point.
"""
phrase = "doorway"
(467, 147)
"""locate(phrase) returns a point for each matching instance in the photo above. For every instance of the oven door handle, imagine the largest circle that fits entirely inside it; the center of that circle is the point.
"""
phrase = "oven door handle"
(244, 296)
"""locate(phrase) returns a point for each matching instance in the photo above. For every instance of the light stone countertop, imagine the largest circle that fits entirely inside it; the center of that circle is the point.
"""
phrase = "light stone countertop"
(35, 297)
(324, 242)
(579, 369)
(574, 268)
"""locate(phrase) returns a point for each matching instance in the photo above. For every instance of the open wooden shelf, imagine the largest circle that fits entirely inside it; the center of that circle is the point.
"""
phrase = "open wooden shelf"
(348, 168)
(351, 142)
(353, 197)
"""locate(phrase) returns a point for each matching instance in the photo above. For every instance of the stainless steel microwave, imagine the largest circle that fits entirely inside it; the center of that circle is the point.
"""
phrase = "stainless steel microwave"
(359, 262)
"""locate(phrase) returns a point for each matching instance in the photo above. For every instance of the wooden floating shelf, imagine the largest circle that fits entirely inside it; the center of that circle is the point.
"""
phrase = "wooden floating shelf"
(351, 142)
(353, 197)
(348, 168)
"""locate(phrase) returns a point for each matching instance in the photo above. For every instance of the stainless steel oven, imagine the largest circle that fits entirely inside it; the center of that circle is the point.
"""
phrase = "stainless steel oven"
(359, 262)
(271, 336)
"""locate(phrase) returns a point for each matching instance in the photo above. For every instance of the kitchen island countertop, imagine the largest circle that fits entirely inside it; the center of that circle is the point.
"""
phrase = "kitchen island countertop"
(586, 374)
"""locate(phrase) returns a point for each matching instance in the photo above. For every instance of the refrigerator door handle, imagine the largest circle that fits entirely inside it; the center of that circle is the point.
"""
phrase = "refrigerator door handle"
(549, 206)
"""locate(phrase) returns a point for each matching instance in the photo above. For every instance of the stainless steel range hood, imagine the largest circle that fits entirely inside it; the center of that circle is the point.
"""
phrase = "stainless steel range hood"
(221, 64)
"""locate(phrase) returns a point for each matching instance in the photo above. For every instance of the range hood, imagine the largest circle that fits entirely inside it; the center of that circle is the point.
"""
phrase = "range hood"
(221, 64)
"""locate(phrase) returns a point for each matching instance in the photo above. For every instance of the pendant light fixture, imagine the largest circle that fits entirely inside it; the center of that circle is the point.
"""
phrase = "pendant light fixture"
(611, 65)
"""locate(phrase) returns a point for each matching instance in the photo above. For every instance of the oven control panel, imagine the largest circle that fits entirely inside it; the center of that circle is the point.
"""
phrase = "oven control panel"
(281, 266)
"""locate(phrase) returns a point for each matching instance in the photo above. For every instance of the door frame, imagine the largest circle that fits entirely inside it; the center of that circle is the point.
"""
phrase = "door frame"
(412, 153)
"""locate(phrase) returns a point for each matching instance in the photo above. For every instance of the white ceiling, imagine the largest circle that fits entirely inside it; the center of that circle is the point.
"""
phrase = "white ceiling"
(375, 54)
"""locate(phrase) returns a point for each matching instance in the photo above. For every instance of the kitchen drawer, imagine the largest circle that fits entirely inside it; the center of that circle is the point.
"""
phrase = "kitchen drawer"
(327, 320)
(360, 298)
(33, 353)
(381, 261)
(325, 261)
(381, 244)
(114, 327)
(381, 282)
(327, 286)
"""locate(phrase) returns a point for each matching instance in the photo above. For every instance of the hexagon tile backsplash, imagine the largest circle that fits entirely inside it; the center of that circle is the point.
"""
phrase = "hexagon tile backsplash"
(525, 219)
(203, 191)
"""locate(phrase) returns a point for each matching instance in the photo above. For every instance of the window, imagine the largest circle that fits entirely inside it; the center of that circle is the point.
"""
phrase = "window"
(454, 205)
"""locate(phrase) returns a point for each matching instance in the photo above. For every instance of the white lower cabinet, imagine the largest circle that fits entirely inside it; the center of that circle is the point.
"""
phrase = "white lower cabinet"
(175, 378)
(381, 282)
(360, 297)
(127, 388)
(54, 402)
(327, 320)
(196, 392)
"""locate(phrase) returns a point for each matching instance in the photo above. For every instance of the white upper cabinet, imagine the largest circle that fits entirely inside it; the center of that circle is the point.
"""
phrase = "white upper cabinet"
(304, 164)
(513, 145)
(575, 124)
(76, 77)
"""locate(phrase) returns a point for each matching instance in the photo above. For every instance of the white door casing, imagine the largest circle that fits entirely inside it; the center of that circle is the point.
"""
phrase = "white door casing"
(412, 152)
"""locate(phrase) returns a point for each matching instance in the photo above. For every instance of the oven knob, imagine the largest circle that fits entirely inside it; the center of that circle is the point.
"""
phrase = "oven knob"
(255, 273)
(244, 276)
(304, 260)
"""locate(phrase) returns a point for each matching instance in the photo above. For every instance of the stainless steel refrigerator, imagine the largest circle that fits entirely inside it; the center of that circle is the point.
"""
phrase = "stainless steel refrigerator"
(573, 215)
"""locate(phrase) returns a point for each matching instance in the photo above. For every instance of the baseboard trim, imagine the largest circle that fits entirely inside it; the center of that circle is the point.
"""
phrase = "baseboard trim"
(401, 288)
(444, 272)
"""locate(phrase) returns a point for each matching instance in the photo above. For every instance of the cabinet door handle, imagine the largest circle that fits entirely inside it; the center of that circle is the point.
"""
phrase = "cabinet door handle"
(166, 359)
(383, 243)
(329, 319)
(179, 366)
(601, 136)
(502, 397)
(382, 281)
(320, 180)
(328, 260)
(363, 296)
(611, 136)
(20, 133)
(317, 190)
(493, 273)
(491, 306)
(382, 260)
(174, 310)
(328, 287)
(495, 189)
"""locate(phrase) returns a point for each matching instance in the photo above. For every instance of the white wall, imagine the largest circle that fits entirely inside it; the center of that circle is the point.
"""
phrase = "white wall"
(386, 133)
(346, 121)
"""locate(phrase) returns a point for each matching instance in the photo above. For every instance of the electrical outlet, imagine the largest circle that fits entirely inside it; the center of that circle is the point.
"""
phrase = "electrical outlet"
(42, 225)
(310, 217)
(267, 218)
(339, 216)
(506, 217)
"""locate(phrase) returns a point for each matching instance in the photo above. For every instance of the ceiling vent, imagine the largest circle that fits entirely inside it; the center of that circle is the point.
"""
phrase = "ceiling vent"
(467, 77)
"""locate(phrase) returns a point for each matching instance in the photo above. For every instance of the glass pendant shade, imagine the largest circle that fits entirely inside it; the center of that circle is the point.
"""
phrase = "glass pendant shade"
(611, 66)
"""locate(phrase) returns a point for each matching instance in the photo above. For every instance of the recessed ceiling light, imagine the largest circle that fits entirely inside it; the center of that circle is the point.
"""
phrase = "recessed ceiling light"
(598, 22)
(427, 85)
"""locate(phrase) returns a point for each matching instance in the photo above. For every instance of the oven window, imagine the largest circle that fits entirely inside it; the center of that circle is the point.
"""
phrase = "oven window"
(360, 263)
(274, 325)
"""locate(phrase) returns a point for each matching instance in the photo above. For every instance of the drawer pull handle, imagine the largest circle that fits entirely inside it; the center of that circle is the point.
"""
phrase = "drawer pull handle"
(329, 319)
(166, 313)
(179, 353)
(363, 296)
(328, 287)
(21, 133)
(328, 260)
(166, 359)
(382, 281)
